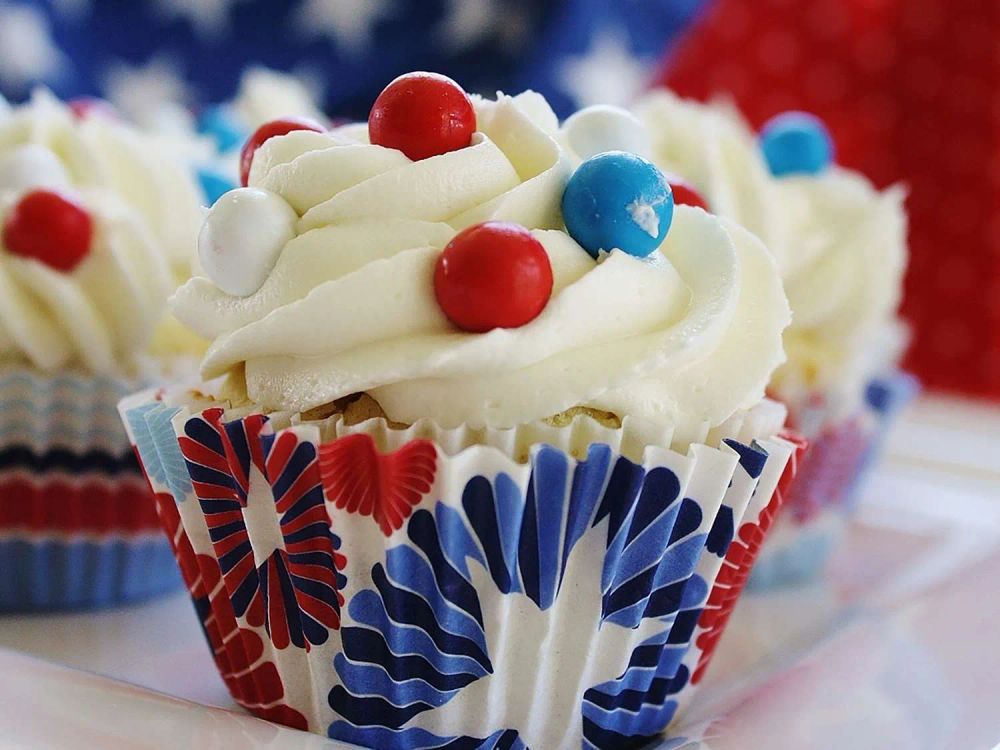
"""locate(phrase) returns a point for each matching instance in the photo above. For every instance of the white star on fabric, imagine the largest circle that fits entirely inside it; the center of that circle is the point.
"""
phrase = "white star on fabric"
(541, 714)
(266, 94)
(146, 93)
(468, 22)
(208, 17)
(28, 55)
(348, 23)
(71, 8)
(608, 73)
(312, 77)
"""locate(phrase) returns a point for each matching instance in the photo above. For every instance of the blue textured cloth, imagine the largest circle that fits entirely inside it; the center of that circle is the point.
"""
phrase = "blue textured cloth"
(354, 47)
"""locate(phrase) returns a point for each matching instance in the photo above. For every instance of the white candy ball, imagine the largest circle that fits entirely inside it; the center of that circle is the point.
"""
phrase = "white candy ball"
(242, 237)
(30, 167)
(595, 130)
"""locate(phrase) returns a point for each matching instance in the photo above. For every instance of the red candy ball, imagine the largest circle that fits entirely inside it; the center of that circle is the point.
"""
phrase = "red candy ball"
(684, 193)
(49, 227)
(493, 275)
(85, 106)
(270, 130)
(422, 115)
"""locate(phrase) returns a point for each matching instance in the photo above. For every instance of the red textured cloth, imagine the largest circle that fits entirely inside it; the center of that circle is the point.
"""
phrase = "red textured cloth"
(911, 91)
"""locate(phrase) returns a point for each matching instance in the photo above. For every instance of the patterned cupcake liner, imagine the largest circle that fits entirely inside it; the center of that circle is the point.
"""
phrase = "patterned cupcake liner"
(56, 574)
(424, 589)
(78, 527)
(820, 501)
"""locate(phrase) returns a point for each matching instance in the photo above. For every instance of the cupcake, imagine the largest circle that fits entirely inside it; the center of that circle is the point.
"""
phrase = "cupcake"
(96, 233)
(482, 455)
(840, 245)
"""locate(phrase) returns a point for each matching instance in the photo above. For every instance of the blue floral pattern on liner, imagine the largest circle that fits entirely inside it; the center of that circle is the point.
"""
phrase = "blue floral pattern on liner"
(499, 576)
(151, 431)
(423, 623)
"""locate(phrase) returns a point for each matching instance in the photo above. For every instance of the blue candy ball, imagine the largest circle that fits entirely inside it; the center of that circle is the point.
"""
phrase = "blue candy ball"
(618, 200)
(796, 143)
(213, 184)
(222, 126)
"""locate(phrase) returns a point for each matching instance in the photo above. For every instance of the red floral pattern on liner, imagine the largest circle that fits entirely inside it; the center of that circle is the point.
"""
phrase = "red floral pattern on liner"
(827, 470)
(739, 561)
(61, 503)
(238, 652)
(308, 556)
(295, 592)
(386, 486)
(221, 481)
(226, 462)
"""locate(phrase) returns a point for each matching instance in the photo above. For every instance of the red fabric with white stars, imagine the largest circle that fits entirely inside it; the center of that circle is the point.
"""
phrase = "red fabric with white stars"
(911, 91)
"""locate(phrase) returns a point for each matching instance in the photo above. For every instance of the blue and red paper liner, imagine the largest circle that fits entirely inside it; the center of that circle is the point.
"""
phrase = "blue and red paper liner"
(78, 528)
(369, 594)
(820, 502)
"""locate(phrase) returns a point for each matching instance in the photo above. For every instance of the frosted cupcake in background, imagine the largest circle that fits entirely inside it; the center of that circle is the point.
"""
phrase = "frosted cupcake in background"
(207, 140)
(264, 96)
(840, 245)
(482, 456)
(96, 232)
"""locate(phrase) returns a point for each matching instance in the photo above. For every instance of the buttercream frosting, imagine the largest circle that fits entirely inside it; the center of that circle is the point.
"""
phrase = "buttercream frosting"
(145, 216)
(685, 338)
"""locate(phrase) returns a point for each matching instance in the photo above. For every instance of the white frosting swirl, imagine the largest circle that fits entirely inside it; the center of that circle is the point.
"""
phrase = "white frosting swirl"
(145, 217)
(685, 339)
(838, 242)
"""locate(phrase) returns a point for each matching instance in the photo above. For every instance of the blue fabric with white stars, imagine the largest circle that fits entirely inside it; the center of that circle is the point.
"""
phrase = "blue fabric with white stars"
(353, 46)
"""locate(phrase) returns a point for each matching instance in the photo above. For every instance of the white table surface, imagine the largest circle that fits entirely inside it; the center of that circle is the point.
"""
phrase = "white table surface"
(899, 647)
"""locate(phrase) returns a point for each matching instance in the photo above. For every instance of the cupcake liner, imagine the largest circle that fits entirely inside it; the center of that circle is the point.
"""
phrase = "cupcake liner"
(820, 501)
(424, 588)
(78, 527)
(886, 397)
(47, 574)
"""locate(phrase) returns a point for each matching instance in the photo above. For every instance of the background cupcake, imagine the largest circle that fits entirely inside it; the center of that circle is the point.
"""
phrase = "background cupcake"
(416, 488)
(96, 233)
(209, 140)
(840, 245)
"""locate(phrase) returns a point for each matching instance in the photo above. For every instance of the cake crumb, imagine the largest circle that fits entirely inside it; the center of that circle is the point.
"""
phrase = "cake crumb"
(361, 409)
(323, 411)
(234, 387)
(564, 418)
